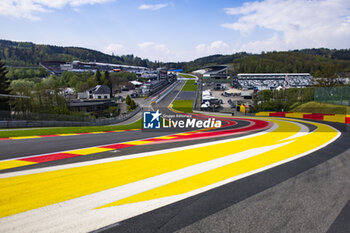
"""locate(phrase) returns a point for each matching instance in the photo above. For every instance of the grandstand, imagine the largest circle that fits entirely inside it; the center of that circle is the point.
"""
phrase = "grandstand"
(151, 87)
(54, 67)
(58, 67)
(262, 81)
(78, 66)
(217, 73)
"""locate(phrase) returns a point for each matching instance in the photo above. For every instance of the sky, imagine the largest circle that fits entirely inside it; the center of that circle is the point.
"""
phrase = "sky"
(178, 30)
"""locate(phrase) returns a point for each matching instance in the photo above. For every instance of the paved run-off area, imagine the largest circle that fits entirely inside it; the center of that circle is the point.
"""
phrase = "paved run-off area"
(89, 195)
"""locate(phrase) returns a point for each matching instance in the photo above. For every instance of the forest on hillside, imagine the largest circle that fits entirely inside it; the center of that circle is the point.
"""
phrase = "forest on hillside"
(325, 65)
(318, 62)
(28, 54)
(321, 62)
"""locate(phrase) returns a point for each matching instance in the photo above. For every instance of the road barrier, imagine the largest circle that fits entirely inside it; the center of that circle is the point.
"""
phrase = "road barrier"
(59, 123)
(165, 92)
(341, 118)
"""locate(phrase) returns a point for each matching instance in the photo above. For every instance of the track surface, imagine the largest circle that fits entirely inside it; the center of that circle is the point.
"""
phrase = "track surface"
(253, 175)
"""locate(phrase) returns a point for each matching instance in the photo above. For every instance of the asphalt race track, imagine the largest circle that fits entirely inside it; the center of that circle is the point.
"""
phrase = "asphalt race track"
(253, 175)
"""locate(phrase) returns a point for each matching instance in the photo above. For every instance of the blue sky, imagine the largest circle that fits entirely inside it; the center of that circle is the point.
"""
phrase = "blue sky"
(179, 30)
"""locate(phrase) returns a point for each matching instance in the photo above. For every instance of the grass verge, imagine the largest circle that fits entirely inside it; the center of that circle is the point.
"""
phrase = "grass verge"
(183, 105)
(186, 76)
(64, 130)
(189, 86)
(315, 107)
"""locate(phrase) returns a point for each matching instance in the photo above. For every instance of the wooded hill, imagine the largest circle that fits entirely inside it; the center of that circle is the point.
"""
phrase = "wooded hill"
(318, 62)
(314, 61)
(30, 54)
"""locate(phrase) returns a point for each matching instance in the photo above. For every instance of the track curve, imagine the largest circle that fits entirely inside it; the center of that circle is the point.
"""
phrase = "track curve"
(169, 181)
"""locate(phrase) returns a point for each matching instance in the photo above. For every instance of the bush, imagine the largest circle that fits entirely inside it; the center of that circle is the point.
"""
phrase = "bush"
(112, 111)
(128, 100)
(132, 105)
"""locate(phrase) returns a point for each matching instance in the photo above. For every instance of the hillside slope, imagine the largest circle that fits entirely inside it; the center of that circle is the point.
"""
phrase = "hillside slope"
(30, 54)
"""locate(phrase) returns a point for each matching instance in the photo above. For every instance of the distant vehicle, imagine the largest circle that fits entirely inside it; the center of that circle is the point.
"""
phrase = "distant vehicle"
(231, 103)
(134, 95)
(208, 98)
(226, 94)
(205, 105)
(217, 87)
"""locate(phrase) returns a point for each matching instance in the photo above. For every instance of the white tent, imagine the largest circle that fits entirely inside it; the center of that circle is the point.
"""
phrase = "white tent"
(136, 83)
(233, 91)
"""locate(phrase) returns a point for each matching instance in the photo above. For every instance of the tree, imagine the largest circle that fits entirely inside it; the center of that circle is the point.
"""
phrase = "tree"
(4, 87)
(107, 81)
(328, 76)
(132, 105)
(98, 77)
(22, 87)
(128, 100)
(112, 111)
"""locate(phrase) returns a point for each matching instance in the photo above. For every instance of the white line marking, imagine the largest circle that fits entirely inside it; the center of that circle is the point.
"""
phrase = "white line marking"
(139, 155)
(79, 215)
(61, 214)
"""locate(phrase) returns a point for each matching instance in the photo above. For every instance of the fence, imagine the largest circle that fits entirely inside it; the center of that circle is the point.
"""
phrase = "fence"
(8, 120)
(198, 97)
(333, 95)
(34, 116)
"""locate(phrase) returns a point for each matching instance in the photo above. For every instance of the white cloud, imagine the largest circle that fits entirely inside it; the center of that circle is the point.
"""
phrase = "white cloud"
(150, 50)
(216, 47)
(160, 52)
(154, 51)
(300, 23)
(151, 46)
(270, 44)
(153, 7)
(27, 8)
(116, 49)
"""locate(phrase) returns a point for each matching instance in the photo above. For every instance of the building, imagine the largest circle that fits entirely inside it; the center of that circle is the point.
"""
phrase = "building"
(90, 105)
(96, 99)
(151, 87)
(218, 73)
(162, 73)
(149, 74)
(95, 93)
(343, 77)
(262, 81)
(58, 67)
(78, 66)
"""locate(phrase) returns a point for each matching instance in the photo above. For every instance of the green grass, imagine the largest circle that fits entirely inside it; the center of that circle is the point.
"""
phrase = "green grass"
(63, 130)
(189, 86)
(186, 76)
(315, 107)
(183, 105)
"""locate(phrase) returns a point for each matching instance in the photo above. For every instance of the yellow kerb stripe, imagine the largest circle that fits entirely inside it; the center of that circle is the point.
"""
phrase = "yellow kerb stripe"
(25, 137)
(88, 151)
(136, 142)
(14, 163)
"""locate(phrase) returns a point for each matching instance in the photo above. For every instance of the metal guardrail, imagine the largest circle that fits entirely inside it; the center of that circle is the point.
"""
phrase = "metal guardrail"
(186, 79)
(197, 100)
(166, 92)
(64, 120)
(14, 115)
